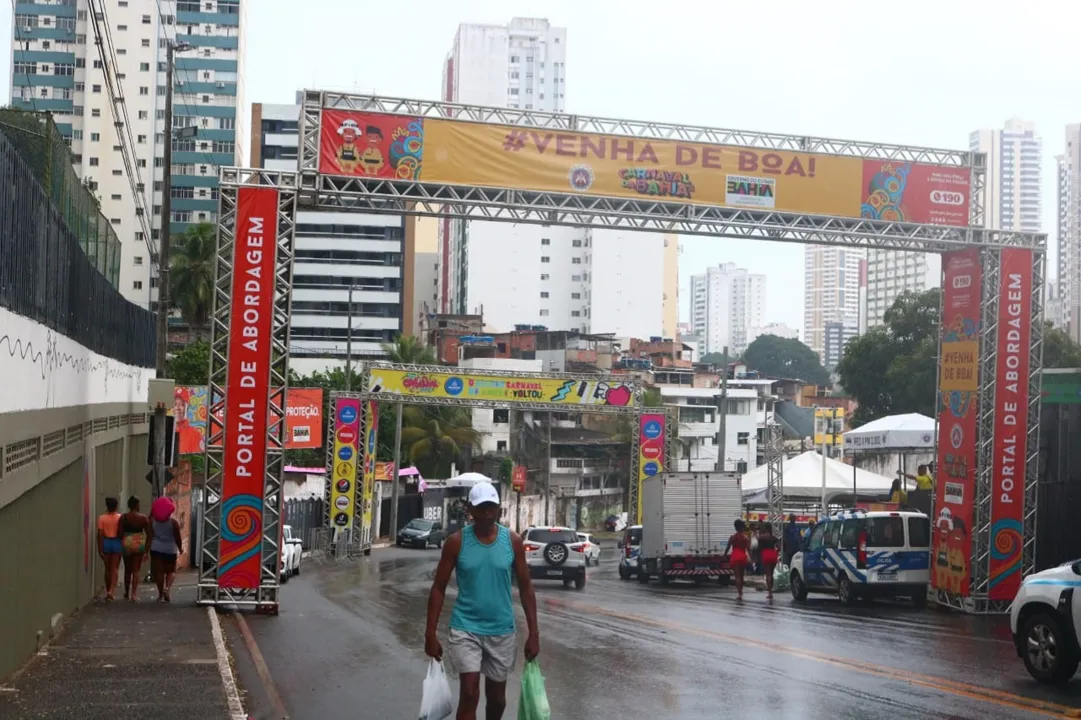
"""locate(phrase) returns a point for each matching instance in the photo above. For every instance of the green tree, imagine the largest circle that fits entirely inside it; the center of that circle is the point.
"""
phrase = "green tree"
(191, 364)
(651, 398)
(191, 275)
(714, 358)
(1059, 349)
(893, 368)
(435, 437)
(409, 350)
(780, 357)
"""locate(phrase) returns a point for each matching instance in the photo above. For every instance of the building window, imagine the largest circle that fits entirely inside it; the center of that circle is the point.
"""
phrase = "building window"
(743, 438)
(146, 42)
(146, 19)
(144, 90)
(576, 296)
(544, 276)
(544, 294)
(144, 67)
(137, 285)
(546, 241)
(576, 313)
(576, 261)
(544, 313)
(93, 162)
(226, 123)
(545, 258)
(138, 260)
(95, 88)
(574, 243)
(95, 137)
(224, 146)
(142, 139)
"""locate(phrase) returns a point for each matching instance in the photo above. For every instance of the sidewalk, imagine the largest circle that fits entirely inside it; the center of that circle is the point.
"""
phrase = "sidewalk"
(122, 660)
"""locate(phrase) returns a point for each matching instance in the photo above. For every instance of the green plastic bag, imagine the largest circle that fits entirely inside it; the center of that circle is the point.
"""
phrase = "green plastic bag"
(533, 703)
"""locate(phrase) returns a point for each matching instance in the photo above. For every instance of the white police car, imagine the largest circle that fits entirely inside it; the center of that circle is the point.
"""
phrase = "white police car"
(861, 554)
(1045, 619)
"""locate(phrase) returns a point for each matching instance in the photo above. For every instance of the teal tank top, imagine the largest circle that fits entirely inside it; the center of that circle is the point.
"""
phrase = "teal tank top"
(484, 572)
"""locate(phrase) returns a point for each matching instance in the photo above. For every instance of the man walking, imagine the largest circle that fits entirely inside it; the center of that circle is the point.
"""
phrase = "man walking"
(482, 638)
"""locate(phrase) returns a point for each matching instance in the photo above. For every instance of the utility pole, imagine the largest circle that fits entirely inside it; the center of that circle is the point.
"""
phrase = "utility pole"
(349, 344)
(394, 482)
(166, 209)
(548, 471)
(722, 410)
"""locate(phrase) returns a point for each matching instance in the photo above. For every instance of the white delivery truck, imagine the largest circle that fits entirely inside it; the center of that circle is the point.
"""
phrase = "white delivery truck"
(687, 518)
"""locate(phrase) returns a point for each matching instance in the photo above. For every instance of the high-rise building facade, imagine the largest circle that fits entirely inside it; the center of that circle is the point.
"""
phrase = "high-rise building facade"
(727, 302)
(57, 67)
(890, 273)
(1014, 171)
(335, 251)
(1067, 300)
(832, 282)
(561, 277)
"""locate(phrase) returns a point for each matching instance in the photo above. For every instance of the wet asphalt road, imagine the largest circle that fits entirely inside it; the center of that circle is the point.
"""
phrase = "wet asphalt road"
(349, 644)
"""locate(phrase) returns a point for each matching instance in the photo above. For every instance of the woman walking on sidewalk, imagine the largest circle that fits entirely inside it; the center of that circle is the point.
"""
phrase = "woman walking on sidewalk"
(109, 545)
(767, 552)
(165, 546)
(739, 544)
(134, 528)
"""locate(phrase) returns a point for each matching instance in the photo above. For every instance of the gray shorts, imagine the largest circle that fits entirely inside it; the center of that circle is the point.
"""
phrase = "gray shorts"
(491, 655)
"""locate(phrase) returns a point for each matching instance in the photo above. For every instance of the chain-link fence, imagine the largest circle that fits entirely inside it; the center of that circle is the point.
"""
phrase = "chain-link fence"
(47, 156)
(55, 253)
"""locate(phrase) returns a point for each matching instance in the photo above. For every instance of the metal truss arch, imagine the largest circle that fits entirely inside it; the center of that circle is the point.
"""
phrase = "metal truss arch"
(265, 596)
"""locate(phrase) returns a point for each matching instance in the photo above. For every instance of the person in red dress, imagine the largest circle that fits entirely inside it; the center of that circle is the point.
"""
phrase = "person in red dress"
(739, 544)
(767, 553)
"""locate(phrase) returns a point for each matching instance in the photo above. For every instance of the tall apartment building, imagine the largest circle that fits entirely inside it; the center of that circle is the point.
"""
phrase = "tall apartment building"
(891, 273)
(1013, 182)
(1067, 300)
(727, 302)
(56, 67)
(832, 281)
(561, 277)
(388, 260)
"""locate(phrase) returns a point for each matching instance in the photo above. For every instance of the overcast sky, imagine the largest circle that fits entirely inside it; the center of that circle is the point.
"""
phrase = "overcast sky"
(924, 72)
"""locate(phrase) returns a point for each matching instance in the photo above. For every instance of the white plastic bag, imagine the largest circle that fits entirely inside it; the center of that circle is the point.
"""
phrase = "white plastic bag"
(436, 702)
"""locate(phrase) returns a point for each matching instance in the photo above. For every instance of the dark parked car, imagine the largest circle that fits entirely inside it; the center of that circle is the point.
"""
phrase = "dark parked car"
(421, 533)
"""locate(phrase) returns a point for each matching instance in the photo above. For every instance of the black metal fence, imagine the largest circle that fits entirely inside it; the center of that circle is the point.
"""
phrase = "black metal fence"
(46, 275)
(305, 516)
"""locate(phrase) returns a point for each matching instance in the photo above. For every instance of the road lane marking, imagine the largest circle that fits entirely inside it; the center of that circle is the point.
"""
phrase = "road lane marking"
(975, 692)
(232, 694)
(262, 669)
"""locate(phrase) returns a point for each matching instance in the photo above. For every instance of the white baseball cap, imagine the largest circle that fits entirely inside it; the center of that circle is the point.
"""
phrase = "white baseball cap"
(483, 492)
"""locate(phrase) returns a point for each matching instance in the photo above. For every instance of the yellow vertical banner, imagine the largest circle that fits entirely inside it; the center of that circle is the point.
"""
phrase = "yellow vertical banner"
(371, 441)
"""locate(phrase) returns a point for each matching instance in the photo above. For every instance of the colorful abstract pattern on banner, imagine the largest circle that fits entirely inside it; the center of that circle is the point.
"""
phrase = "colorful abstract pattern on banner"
(1011, 423)
(247, 388)
(190, 413)
(650, 450)
(456, 152)
(450, 384)
(958, 409)
(343, 492)
(371, 438)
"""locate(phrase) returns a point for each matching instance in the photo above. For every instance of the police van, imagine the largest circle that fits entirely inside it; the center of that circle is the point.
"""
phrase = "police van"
(863, 554)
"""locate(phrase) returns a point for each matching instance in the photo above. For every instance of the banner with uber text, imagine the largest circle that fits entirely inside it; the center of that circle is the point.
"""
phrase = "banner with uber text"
(459, 152)
(1011, 422)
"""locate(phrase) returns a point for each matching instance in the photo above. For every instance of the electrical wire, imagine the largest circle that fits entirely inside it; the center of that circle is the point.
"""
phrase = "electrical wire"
(103, 39)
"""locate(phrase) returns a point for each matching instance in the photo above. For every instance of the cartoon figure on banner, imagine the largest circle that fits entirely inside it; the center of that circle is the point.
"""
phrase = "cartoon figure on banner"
(348, 153)
(951, 555)
(189, 416)
(372, 159)
(885, 194)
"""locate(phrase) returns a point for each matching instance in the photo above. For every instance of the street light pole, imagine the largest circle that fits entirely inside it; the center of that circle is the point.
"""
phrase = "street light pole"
(166, 211)
(349, 343)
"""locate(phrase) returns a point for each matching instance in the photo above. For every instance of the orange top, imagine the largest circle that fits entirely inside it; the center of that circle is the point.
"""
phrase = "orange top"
(109, 524)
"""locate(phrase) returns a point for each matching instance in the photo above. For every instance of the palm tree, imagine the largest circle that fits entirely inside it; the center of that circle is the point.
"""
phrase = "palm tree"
(191, 269)
(409, 350)
(435, 437)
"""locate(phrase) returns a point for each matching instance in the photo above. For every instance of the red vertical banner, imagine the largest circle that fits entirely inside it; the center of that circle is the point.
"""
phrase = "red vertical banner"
(1011, 422)
(247, 388)
(958, 410)
(650, 450)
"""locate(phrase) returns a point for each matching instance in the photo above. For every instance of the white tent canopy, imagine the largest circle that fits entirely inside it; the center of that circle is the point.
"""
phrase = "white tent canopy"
(911, 431)
(802, 478)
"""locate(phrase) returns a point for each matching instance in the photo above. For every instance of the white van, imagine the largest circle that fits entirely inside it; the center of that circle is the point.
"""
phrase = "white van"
(862, 554)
